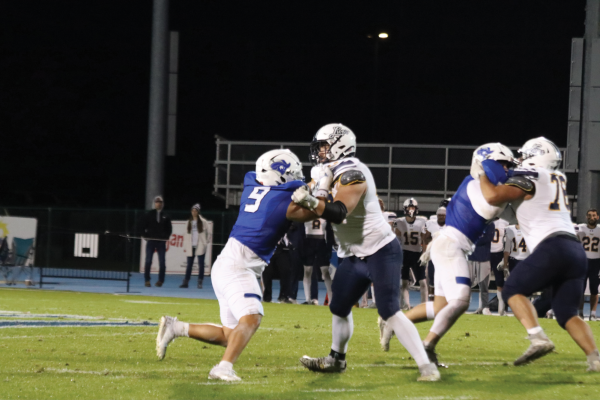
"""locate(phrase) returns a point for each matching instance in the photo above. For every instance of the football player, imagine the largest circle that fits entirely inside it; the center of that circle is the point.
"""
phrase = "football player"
(318, 244)
(496, 257)
(265, 215)
(467, 216)
(367, 244)
(589, 235)
(515, 247)
(538, 191)
(431, 228)
(409, 230)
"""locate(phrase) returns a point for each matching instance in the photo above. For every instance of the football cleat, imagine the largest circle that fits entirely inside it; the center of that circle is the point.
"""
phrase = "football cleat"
(315, 302)
(486, 311)
(594, 366)
(166, 334)
(593, 317)
(429, 373)
(324, 364)
(433, 357)
(540, 346)
(223, 374)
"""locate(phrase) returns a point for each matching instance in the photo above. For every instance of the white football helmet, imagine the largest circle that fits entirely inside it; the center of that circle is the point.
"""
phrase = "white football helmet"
(540, 152)
(411, 203)
(489, 151)
(341, 141)
(277, 167)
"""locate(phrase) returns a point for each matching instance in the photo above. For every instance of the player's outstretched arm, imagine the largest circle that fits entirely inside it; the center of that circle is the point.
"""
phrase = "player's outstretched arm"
(297, 213)
(498, 195)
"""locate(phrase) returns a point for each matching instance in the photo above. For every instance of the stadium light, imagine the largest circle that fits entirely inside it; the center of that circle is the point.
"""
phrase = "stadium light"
(383, 35)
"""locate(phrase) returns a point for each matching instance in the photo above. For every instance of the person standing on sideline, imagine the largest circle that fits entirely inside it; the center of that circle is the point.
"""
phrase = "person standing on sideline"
(496, 257)
(156, 229)
(590, 237)
(479, 264)
(195, 243)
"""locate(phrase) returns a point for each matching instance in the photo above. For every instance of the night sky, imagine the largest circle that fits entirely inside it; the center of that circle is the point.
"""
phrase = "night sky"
(74, 86)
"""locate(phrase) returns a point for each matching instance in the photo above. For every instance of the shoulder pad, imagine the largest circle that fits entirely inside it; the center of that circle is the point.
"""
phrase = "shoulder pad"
(530, 173)
(422, 218)
(352, 177)
(522, 182)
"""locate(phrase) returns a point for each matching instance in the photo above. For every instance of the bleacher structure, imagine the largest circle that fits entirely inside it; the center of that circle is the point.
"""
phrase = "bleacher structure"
(427, 172)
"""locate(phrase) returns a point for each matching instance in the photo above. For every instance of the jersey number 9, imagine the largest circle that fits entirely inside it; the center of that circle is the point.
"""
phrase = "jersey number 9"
(257, 194)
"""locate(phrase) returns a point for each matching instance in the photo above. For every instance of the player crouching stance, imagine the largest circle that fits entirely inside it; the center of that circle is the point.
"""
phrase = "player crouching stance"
(539, 193)
(265, 215)
(367, 244)
(467, 216)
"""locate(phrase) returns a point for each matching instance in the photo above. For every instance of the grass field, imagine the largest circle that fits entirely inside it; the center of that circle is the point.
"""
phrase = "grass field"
(120, 362)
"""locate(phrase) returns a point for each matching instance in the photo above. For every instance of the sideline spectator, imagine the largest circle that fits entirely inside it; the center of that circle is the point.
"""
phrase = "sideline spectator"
(479, 263)
(156, 229)
(195, 242)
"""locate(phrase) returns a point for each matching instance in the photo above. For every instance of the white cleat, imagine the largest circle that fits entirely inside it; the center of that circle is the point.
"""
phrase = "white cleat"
(593, 317)
(223, 374)
(166, 334)
(594, 366)
(429, 373)
(486, 311)
(381, 325)
(540, 346)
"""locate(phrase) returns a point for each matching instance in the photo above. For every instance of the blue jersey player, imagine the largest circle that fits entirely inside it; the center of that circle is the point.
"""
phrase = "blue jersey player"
(266, 212)
(538, 191)
(467, 216)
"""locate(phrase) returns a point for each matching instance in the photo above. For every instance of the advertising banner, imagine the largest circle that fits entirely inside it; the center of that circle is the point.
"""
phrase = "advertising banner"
(17, 241)
(176, 257)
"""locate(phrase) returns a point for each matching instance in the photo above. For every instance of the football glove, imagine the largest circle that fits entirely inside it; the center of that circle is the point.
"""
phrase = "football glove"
(303, 198)
(323, 178)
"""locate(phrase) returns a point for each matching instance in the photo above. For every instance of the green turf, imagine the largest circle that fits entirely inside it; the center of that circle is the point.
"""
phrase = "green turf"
(120, 362)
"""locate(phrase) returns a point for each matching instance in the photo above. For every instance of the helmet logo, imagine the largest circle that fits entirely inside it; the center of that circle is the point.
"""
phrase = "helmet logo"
(337, 130)
(280, 166)
(484, 152)
(538, 149)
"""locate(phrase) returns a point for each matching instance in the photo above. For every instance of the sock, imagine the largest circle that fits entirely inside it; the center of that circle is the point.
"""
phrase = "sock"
(501, 306)
(448, 315)
(307, 281)
(535, 330)
(407, 334)
(182, 329)
(341, 329)
(594, 356)
(594, 313)
(339, 356)
(373, 292)
(226, 364)
(404, 297)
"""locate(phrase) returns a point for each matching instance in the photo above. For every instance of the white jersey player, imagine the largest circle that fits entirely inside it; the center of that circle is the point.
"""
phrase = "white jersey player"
(538, 191)
(367, 244)
(409, 230)
(515, 247)
(589, 234)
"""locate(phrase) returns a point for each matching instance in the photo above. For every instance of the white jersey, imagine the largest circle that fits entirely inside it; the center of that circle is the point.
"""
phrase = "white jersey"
(498, 240)
(365, 230)
(590, 239)
(315, 228)
(515, 244)
(409, 234)
(432, 226)
(548, 211)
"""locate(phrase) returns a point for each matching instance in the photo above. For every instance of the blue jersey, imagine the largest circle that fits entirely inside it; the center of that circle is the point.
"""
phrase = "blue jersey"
(468, 211)
(262, 219)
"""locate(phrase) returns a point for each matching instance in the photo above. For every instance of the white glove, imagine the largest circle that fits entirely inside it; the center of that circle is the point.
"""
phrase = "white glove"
(303, 198)
(425, 257)
(500, 266)
(506, 273)
(323, 178)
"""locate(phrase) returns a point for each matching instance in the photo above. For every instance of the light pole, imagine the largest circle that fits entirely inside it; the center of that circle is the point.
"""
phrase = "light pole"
(376, 39)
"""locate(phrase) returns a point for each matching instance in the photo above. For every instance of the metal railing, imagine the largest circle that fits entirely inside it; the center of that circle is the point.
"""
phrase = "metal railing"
(428, 172)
